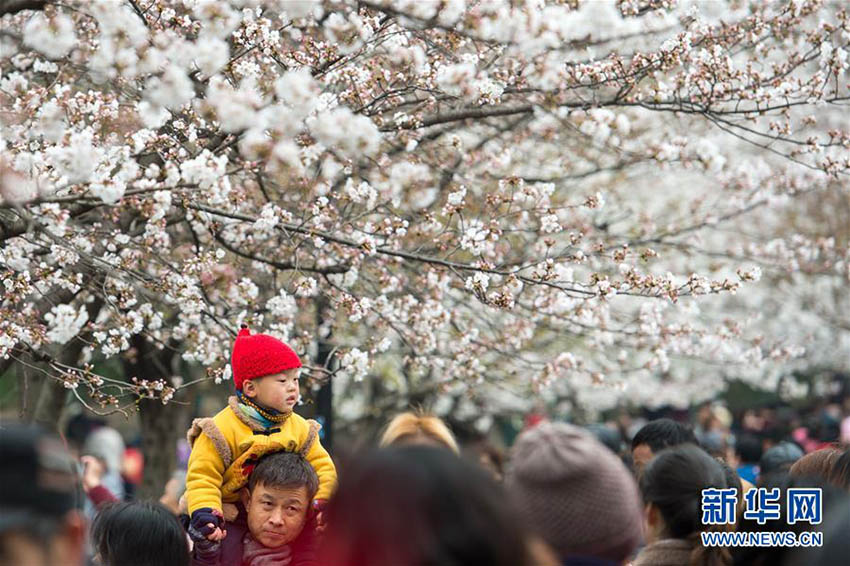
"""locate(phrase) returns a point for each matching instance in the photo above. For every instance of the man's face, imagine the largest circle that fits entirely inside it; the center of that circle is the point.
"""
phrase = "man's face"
(276, 515)
(278, 391)
(641, 455)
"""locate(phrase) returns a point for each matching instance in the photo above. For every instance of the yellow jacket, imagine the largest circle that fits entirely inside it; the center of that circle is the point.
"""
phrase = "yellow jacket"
(226, 447)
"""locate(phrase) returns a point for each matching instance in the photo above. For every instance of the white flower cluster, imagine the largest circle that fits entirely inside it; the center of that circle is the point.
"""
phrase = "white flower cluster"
(361, 192)
(347, 32)
(478, 282)
(208, 172)
(475, 238)
(345, 280)
(171, 90)
(355, 364)
(217, 18)
(353, 135)
(77, 161)
(549, 223)
(268, 219)
(407, 176)
(235, 108)
(603, 125)
(433, 175)
(210, 54)
(65, 322)
(122, 34)
(55, 36)
(465, 80)
(298, 90)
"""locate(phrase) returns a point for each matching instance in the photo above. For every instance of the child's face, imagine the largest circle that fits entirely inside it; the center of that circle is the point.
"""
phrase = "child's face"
(279, 391)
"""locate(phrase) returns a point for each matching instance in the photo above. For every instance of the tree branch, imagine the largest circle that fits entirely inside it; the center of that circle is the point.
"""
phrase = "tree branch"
(15, 6)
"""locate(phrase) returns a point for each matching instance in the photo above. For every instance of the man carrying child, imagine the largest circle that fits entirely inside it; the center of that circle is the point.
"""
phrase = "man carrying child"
(257, 421)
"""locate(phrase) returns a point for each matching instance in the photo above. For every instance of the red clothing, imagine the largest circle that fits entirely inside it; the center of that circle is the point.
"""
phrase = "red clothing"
(230, 551)
(100, 495)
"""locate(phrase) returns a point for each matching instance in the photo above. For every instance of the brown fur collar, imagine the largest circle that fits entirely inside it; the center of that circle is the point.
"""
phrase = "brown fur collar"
(311, 437)
(207, 426)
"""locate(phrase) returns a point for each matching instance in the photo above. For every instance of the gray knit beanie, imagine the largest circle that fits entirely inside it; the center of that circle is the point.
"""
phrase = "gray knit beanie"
(575, 493)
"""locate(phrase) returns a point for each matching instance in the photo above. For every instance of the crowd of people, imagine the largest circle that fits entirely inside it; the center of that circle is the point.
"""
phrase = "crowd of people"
(260, 490)
(416, 500)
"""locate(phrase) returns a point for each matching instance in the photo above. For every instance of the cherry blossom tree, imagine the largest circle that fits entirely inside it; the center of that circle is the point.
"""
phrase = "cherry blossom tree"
(474, 205)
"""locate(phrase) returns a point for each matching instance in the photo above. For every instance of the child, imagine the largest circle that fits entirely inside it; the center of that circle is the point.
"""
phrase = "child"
(257, 421)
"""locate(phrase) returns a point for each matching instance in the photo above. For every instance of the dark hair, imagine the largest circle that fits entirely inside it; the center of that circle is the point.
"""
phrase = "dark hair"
(139, 533)
(663, 433)
(79, 427)
(839, 475)
(732, 477)
(285, 469)
(748, 448)
(673, 482)
(421, 506)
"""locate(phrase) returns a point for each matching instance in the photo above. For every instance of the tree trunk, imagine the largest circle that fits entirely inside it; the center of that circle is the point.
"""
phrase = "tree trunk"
(48, 409)
(161, 425)
(161, 428)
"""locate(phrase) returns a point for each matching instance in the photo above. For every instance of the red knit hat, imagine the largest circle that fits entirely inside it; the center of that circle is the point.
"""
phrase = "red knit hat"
(259, 355)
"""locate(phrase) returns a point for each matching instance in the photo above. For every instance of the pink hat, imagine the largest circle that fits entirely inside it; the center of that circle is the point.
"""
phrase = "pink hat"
(575, 493)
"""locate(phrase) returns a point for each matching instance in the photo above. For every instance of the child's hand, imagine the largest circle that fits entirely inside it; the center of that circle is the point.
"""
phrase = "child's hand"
(207, 523)
(217, 535)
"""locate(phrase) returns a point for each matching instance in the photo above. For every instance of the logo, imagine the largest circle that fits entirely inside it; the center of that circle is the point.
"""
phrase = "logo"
(763, 505)
(804, 505)
(719, 506)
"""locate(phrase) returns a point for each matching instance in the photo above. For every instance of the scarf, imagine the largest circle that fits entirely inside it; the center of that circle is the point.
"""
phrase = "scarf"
(255, 554)
(265, 416)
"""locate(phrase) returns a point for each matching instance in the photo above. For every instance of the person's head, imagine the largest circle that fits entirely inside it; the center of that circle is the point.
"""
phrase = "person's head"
(575, 493)
(138, 533)
(421, 506)
(839, 476)
(413, 428)
(778, 459)
(817, 464)
(265, 370)
(672, 485)
(77, 429)
(654, 437)
(40, 520)
(277, 499)
(714, 442)
(748, 449)
(106, 444)
(608, 436)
